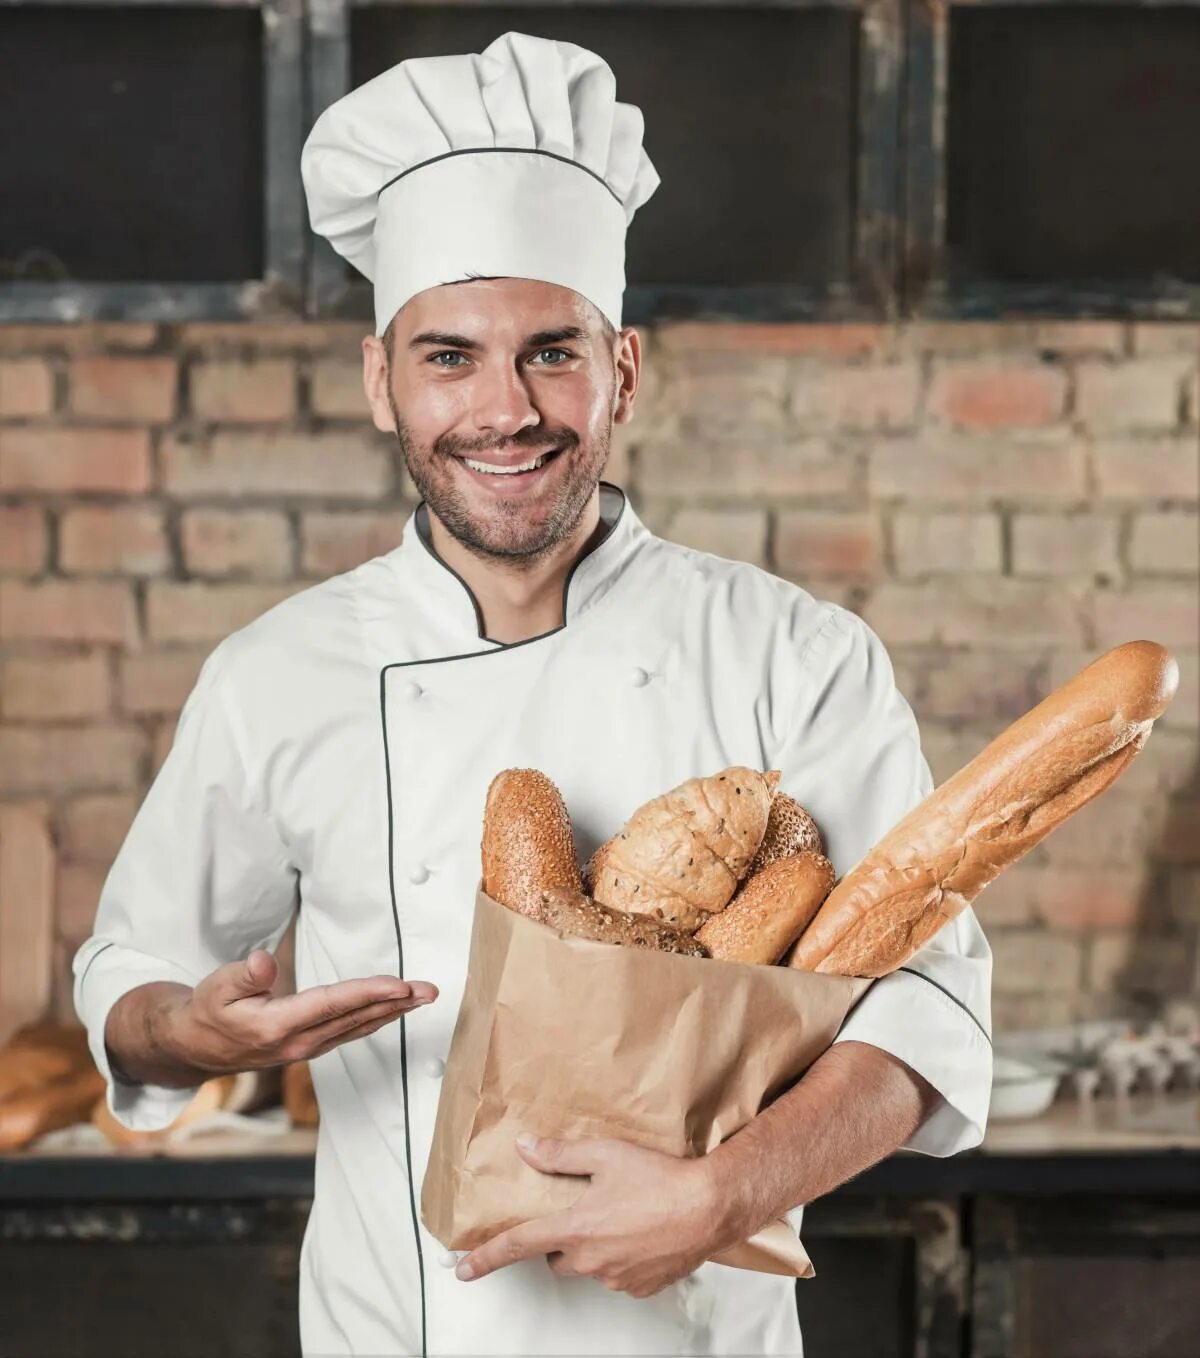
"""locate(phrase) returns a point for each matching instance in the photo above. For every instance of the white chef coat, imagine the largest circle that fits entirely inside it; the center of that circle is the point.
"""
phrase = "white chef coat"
(334, 756)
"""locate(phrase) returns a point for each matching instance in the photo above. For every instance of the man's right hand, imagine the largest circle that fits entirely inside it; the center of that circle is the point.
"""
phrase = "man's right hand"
(232, 1021)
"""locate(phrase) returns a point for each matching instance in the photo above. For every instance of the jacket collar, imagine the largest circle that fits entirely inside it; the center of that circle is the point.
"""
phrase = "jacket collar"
(620, 533)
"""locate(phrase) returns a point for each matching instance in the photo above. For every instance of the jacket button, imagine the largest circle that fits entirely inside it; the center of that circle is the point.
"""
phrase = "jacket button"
(412, 690)
(419, 874)
(448, 1259)
(435, 1067)
(639, 678)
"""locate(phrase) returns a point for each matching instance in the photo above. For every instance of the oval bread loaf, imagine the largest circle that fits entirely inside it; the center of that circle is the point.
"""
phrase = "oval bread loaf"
(790, 830)
(527, 843)
(770, 910)
(1035, 774)
(571, 912)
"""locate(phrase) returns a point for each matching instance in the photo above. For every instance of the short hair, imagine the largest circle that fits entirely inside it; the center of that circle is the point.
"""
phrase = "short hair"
(607, 329)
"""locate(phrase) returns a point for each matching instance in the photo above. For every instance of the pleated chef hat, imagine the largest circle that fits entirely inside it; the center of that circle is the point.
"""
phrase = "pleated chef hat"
(514, 162)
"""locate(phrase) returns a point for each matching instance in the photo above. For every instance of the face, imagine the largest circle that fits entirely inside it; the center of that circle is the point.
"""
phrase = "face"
(503, 373)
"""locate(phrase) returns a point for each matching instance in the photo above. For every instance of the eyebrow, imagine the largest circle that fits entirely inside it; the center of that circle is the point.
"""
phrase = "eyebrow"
(538, 339)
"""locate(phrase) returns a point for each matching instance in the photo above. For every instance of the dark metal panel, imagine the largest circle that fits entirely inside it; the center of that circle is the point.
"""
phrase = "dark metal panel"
(283, 79)
(68, 302)
(881, 54)
(328, 79)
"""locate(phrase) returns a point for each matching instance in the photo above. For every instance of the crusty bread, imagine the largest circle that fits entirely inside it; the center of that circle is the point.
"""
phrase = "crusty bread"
(680, 857)
(40, 1053)
(770, 910)
(210, 1096)
(790, 830)
(62, 1103)
(1035, 774)
(571, 912)
(527, 844)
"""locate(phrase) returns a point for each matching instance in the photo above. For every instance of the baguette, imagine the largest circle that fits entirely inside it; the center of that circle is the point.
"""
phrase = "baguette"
(1035, 774)
(210, 1096)
(26, 1116)
(680, 857)
(571, 912)
(770, 911)
(527, 843)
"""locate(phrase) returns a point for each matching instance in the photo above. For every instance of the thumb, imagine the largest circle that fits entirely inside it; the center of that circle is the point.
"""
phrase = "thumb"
(256, 974)
(553, 1155)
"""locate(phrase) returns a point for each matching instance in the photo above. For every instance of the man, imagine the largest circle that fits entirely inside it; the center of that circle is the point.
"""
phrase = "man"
(334, 756)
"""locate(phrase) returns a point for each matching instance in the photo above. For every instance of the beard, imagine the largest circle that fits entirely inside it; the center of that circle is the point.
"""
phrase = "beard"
(514, 530)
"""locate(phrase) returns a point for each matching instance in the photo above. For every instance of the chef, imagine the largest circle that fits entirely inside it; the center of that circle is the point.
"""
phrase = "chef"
(331, 761)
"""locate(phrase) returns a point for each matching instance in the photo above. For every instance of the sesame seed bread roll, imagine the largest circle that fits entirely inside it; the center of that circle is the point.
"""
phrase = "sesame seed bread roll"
(790, 830)
(770, 910)
(527, 843)
(680, 857)
(1035, 774)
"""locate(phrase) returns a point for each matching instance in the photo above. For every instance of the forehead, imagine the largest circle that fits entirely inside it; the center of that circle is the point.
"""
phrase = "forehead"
(495, 311)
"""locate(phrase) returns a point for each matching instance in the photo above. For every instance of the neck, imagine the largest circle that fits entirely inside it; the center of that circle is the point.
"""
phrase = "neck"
(519, 599)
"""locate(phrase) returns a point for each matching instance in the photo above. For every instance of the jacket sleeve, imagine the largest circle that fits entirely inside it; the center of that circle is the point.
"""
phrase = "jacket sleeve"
(854, 761)
(201, 879)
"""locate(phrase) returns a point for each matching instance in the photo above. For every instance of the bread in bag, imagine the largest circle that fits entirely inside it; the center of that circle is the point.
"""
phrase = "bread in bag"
(770, 911)
(1035, 774)
(790, 830)
(571, 912)
(527, 843)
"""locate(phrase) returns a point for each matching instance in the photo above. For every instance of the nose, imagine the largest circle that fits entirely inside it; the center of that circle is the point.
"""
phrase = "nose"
(500, 401)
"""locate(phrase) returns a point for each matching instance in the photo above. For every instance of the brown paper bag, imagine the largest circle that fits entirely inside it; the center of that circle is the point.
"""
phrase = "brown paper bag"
(561, 1036)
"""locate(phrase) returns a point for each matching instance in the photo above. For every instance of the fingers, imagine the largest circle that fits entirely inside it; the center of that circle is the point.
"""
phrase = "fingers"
(321, 1037)
(253, 976)
(292, 1014)
(541, 1236)
(552, 1156)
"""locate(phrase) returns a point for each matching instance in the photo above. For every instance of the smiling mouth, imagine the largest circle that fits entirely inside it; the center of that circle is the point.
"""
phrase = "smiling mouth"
(516, 469)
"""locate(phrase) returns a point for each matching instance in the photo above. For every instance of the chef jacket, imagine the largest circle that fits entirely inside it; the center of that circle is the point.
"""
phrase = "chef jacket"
(331, 763)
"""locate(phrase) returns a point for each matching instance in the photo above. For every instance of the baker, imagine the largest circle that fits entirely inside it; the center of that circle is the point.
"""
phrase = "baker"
(331, 762)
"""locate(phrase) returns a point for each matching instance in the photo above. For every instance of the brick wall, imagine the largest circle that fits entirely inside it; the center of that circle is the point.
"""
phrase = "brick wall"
(1001, 502)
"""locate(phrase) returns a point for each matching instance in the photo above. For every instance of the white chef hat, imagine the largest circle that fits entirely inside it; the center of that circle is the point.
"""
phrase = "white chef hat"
(514, 162)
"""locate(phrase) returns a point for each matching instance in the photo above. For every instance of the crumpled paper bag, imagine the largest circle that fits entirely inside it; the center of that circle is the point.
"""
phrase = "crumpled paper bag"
(562, 1036)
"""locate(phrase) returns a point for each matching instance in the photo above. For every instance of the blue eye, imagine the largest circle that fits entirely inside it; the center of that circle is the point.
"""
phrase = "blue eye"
(445, 353)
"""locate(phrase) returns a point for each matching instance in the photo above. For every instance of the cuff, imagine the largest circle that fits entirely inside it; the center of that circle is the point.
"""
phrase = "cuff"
(103, 974)
(916, 1021)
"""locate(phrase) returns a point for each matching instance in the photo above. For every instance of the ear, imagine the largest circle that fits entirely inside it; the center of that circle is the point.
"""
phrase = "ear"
(375, 383)
(628, 364)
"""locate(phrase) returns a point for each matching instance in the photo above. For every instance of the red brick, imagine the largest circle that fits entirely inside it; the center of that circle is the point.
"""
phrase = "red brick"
(1166, 544)
(93, 828)
(1107, 338)
(997, 395)
(78, 894)
(973, 610)
(22, 539)
(55, 687)
(248, 543)
(55, 759)
(1137, 394)
(1168, 613)
(27, 919)
(195, 612)
(769, 468)
(1165, 765)
(152, 682)
(263, 389)
(341, 465)
(715, 394)
(1032, 961)
(1090, 898)
(67, 610)
(1065, 544)
(1184, 711)
(1147, 469)
(959, 338)
(1184, 895)
(103, 387)
(76, 338)
(333, 543)
(1167, 337)
(982, 686)
(1123, 962)
(126, 540)
(1178, 838)
(273, 336)
(876, 397)
(828, 543)
(1112, 828)
(26, 388)
(949, 749)
(946, 543)
(940, 468)
(164, 738)
(1031, 1013)
(336, 389)
(1008, 900)
(832, 341)
(738, 534)
(75, 460)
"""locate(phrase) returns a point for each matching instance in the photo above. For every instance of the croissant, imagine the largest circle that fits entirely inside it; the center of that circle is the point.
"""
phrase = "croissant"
(680, 857)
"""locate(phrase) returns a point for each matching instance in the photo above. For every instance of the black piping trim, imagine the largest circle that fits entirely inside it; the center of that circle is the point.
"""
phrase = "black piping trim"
(912, 971)
(521, 150)
(422, 508)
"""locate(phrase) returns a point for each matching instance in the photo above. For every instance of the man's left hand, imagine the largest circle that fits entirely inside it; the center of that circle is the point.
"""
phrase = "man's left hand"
(644, 1220)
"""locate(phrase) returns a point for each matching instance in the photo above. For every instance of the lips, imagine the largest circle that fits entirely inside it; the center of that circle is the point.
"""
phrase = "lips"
(540, 461)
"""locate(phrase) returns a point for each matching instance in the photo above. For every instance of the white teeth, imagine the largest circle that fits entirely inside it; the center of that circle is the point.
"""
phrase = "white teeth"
(505, 471)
